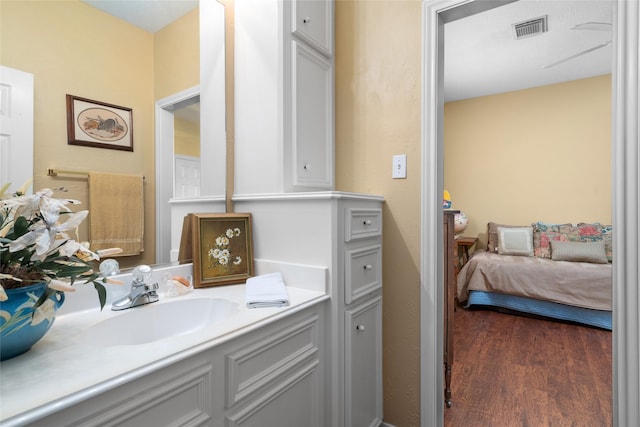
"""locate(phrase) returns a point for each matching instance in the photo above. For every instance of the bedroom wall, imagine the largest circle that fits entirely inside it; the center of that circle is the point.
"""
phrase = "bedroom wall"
(541, 154)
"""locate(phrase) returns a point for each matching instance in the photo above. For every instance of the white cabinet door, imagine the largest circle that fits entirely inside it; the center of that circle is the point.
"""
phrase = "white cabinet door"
(363, 364)
(312, 118)
(312, 21)
(16, 127)
(187, 178)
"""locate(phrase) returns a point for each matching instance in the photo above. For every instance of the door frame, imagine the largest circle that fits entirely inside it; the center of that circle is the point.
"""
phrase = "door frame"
(165, 174)
(625, 219)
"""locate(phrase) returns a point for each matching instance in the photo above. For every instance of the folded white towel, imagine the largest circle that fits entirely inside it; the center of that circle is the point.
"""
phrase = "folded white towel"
(267, 290)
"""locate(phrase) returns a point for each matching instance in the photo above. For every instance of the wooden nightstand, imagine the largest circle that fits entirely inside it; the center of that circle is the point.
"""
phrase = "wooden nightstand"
(464, 244)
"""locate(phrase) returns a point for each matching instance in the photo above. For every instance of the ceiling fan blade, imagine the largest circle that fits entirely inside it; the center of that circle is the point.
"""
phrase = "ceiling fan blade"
(600, 46)
(593, 26)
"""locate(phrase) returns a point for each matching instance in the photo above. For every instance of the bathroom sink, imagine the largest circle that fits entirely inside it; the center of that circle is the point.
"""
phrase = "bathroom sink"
(156, 321)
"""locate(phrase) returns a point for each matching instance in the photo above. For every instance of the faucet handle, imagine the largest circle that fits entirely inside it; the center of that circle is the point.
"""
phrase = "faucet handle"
(141, 274)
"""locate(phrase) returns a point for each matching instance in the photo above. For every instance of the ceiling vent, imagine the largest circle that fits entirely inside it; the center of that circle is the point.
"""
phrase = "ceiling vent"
(530, 27)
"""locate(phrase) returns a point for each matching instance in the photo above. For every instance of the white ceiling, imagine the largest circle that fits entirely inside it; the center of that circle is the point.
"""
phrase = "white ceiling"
(150, 15)
(482, 56)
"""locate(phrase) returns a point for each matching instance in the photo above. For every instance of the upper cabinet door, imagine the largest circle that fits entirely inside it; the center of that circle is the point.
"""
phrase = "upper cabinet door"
(312, 21)
(311, 119)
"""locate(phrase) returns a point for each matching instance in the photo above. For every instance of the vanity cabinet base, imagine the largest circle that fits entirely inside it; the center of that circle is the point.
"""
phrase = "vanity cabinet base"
(272, 376)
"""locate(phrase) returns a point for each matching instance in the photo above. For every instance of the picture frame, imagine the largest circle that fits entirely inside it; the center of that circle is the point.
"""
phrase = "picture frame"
(220, 246)
(98, 124)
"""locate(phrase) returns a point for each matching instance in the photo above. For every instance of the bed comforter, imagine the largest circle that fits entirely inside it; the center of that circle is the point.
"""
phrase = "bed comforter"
(577, 284)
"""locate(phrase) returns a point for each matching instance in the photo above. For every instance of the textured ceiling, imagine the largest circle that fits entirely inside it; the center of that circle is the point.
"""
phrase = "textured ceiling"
(482, 56)
(150, 15)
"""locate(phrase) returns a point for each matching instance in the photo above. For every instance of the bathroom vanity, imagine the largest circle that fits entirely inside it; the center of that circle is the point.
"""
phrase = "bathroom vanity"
(238, 366)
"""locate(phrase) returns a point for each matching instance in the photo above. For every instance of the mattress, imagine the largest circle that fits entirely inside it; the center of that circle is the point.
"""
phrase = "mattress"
(578, 284)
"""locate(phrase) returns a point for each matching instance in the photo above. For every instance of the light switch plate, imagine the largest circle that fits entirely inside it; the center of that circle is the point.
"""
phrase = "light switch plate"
(399, 166)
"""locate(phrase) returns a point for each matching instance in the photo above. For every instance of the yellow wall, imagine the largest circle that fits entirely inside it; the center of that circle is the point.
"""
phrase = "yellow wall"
(177, 56)
(540, 154)
(73, 48)
(378, 115)
(186, 138)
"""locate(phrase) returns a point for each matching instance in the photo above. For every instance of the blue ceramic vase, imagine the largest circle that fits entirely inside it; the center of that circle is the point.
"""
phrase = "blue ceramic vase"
(19, 329)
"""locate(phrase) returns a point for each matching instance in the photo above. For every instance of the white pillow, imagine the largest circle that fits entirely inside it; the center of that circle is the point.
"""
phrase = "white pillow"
(515, 241)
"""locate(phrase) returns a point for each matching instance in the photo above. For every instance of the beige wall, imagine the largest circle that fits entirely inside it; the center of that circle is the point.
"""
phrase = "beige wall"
(378, 93)
(177, 56)
(541, 154)
(186, 138)
(73, 48)
(378, 115)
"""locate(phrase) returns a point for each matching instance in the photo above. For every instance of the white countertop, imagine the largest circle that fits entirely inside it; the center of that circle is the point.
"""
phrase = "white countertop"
(60, 370)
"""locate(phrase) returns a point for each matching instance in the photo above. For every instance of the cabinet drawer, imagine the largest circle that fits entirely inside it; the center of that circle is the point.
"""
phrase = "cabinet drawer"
(312, 21)
(270, 359)
(362, 223)
(363, 271)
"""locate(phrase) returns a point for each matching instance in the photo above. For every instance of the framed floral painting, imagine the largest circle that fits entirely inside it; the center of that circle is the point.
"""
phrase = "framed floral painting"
(98, 124)
(222, 249)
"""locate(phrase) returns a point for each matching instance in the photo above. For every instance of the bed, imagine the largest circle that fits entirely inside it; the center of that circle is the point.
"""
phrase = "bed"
(535, 283)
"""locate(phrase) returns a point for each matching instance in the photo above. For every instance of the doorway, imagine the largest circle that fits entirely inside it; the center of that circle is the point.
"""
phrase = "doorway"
(626, 216)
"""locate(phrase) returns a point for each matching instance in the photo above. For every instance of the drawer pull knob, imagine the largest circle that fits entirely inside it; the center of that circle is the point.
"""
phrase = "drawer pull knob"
(368, 267)
(360, 328)
(367, 222)
(306, 20)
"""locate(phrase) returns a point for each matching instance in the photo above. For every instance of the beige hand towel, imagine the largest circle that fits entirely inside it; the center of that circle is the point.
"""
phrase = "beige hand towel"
(116, 212)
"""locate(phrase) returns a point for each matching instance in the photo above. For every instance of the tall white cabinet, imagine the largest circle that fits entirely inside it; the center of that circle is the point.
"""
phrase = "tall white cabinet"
(284, 96)
(360, 305)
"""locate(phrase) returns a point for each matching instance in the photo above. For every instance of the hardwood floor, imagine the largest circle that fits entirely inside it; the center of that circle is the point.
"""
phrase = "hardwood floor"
(512, 370)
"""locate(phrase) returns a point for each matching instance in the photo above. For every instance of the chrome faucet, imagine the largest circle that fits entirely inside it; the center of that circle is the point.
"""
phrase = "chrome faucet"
(141, 291)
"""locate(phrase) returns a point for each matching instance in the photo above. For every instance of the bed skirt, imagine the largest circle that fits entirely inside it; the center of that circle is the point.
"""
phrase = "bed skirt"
(586, 316)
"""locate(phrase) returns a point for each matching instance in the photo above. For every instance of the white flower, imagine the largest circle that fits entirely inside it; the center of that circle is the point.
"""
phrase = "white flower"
(105, 252)
(229, 233)
(237, 261)
(59, 285)
(222, 241)
(237, 231)
(44, 236)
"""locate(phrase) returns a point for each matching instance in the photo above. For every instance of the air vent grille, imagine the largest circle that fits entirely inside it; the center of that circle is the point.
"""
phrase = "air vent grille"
(530, 27)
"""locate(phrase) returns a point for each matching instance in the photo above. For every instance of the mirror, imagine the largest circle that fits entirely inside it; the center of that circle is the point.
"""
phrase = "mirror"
(71, 47)
(172, 202)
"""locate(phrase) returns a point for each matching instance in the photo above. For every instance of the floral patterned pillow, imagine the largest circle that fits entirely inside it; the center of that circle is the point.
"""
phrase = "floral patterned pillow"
(583, 232)
(544, 233)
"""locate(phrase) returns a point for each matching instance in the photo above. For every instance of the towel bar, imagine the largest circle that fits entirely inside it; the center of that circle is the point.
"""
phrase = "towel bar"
(56, 172)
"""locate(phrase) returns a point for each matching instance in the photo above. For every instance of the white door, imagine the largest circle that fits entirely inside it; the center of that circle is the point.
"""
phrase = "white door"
(187, 177)
(16, 127)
